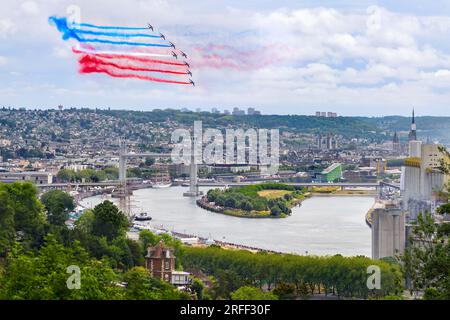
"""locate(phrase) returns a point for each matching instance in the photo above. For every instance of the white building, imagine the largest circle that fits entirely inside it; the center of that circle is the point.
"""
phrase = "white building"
(35, 177)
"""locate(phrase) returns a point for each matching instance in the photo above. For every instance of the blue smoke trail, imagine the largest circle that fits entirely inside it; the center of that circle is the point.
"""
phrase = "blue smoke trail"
(61, 25)
(116, 34)
(106, 27)
(69, 33)
(125, 43)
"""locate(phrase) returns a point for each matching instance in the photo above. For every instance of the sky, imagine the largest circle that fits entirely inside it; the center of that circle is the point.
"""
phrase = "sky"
(369, 58)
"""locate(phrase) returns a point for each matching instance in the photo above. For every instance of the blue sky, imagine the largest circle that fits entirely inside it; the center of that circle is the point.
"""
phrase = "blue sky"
(289, 57)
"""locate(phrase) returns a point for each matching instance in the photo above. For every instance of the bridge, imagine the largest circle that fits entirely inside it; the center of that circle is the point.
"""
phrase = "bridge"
(297, 184)
(124, 155)
(118, 183)
(194, 184)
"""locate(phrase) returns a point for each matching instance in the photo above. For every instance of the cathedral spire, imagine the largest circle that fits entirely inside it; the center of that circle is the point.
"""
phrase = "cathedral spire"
(413, 132)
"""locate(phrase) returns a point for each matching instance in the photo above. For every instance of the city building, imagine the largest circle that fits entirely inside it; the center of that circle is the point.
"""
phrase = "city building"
(160, 261)
(396, 146)
(327, 142)
(332, 173)
(422, 177)
(253, 112)
(326, 114)
(5, 143)
(238, 112)
(35, 177)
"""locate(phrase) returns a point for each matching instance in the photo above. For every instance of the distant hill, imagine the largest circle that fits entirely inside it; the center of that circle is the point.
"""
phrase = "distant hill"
(349, 127)
(435, 128)
(372, 128)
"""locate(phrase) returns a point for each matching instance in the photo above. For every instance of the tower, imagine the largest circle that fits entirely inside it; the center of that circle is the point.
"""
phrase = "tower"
(413, 132)
(396, 143)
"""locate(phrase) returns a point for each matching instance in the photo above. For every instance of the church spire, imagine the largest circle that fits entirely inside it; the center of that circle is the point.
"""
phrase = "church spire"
(413, 132)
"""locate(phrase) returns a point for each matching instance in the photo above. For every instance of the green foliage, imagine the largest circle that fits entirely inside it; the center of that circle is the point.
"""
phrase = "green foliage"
(29, 217)
(108, 221)
(98, 246)
(7, 231)
(285, 290)
(88, 175)
(141, 286)
(43, 276)
(343, 276)
(148, 239)
(248, 199)
(252, 293)
(198, 288)
(58, 205)
(427, 259)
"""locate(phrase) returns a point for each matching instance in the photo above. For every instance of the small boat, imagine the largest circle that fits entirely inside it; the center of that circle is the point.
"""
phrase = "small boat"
(161, 185)
(144, 216)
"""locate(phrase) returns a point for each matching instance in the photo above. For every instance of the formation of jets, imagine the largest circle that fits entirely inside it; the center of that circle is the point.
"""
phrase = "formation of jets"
(184, 55)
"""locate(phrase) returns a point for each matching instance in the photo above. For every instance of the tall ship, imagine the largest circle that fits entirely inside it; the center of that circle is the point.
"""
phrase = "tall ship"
(162, 178)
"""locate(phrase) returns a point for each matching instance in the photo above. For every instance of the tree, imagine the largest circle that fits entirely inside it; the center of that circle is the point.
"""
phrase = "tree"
(198, 288)
(149, 162)
(29, 216)
(109, 221)
(66, 175)
(43, 275)
(7, 231)
(141, 286)
(275, 210)
(148, 239)
(284, 290)
(252, 293)
(427, 259)
(58, 205)
(246, 205)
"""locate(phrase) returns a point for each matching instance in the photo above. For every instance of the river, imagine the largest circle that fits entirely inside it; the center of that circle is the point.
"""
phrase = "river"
(320, 226)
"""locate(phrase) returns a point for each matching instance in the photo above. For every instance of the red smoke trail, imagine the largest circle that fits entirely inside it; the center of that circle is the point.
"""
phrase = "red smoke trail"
(88, 68)
(131, 58)
(93, 60)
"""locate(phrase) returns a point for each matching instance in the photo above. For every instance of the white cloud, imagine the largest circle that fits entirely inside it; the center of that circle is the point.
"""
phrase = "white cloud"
(62, 52)
(30, 7)
(6, 27)
(288, 57)
(3, 61)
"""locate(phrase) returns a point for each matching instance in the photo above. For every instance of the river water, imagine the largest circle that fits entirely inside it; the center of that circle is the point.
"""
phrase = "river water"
(320, 226)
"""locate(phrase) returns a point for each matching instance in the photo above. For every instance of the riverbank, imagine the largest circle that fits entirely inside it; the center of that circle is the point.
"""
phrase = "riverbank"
(321, 225)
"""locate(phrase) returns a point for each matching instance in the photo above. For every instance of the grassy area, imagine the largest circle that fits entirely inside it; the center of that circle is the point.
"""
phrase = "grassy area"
(249, 214)
(325, 189)
(273, 194)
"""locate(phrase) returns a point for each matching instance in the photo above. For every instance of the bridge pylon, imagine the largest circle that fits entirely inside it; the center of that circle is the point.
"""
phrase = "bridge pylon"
(193, 179)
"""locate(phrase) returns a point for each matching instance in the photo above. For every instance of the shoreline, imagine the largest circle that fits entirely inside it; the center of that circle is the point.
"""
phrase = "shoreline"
(220, 242)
